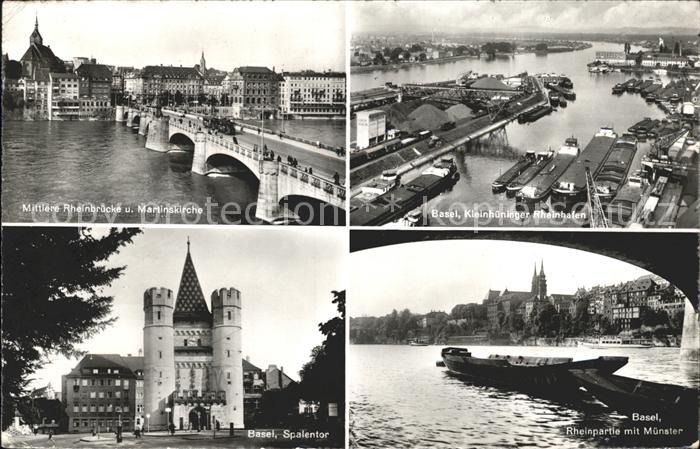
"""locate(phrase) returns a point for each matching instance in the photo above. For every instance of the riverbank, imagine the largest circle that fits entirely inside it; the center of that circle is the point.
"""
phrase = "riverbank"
(387, 67)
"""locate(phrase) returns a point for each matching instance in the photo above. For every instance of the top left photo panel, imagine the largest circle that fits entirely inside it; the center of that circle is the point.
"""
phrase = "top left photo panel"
(174, 112)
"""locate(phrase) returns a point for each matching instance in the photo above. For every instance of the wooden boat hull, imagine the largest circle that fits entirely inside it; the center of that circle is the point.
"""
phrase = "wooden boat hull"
(525, 372)
(629, 396)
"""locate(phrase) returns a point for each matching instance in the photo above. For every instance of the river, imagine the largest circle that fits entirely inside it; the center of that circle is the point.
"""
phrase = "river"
(105, 164)
(593, 108)
(399, 398)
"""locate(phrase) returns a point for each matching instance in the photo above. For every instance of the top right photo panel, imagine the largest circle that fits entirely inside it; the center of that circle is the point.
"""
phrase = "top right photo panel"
(525, 114)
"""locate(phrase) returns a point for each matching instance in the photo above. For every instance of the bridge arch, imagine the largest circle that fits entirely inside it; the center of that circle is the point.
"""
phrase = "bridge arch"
(650, 251)
(181, 139)
(226, 163)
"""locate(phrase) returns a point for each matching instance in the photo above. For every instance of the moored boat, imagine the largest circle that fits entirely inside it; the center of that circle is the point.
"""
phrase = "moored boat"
(524, 371)
(525, 161)
(665, 402)
(539, 187)
(573, 182)
(614, 341)
(613, 171)
(542, 158)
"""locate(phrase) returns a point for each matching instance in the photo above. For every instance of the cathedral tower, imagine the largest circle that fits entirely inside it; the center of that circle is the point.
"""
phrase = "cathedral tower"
(535, 283)
(227, 363)
(158, 355)
(542, 283)
(202, 64)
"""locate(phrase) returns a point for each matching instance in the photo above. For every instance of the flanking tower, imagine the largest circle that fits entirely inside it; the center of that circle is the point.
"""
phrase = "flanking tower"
(158, 356)
(227, 363)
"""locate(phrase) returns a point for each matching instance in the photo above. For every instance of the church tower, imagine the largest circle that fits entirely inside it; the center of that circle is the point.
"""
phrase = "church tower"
(203, 64)
(158, 355)
(542, 282)
(535, 282)
(36, 38)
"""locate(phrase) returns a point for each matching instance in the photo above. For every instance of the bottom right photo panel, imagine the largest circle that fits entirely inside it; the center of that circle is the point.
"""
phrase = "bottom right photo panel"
(523, 339)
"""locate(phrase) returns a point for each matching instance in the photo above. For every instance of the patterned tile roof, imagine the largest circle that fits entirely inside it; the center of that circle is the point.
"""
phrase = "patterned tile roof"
(190, 304)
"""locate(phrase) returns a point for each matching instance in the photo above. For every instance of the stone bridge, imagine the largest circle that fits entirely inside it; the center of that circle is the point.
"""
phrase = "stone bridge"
(278, 180)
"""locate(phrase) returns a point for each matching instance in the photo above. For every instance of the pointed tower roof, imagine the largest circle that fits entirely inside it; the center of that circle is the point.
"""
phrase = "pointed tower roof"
(190, 304)
(36, 38)
(542, 267)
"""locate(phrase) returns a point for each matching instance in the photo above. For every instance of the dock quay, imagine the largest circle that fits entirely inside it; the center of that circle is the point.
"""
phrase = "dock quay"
(464, 131)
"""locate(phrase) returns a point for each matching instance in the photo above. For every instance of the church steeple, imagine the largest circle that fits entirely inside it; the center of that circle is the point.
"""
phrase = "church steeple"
(190, 304)
(203, 64)
(535, 283)
(36, 38)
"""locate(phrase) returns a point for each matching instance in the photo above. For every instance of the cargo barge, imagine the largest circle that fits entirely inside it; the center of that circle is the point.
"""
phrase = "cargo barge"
(535, 113)
(565, 93)
(542, 159)
(572, 184)
(541, 185)
(614, 170)
(622, 208)
(524, 162)
(400, 200)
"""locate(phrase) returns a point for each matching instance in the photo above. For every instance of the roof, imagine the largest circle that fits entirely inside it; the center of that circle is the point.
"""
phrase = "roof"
(489, 83)
(104, 361)
(247, 366)
(311, 73)
(94, 71)
(252, 69)
(63, 75)
(169, 72)
(516, 297)
(45, 55)
(190, 304)
(641, 284)
(214, 79)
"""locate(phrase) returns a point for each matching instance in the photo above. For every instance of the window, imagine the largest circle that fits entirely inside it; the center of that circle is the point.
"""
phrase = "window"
(158, 314)
(101, 408)
(102, 382)
(118, 382)
(76, 423)
(160, 354)
(199, 342)
(95, 371)
(85, 382)
(93, 395)
(117, 394)
(85, 423)
(92, 409)
(109, 381)
(228, 353)
(229, 315)
(84, 409)
(109, 394)
(126, 384)
(116, 371)
(185, 343)
(101, 394)
(76, 409)
(126, 408)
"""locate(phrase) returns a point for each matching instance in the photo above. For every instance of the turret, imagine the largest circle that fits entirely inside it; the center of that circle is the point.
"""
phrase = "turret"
(158, 355)
(227, 363)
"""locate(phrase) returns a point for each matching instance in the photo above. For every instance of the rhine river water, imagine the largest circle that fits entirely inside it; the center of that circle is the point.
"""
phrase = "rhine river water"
(399, 398)
(593, 108)
(106, 163)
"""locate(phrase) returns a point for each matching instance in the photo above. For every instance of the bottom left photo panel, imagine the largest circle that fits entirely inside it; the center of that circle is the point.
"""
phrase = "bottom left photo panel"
(173, 337)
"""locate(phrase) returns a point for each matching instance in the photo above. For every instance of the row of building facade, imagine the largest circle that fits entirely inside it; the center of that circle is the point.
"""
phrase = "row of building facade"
(622, 304)
(80, 88)
(648, 59)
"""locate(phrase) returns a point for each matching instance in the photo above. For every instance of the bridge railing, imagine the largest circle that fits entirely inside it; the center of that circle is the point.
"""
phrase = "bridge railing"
(315, 181)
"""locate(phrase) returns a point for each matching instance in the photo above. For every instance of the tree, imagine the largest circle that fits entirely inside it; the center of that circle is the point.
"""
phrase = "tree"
(323, 377)
(422, 57)
(378, 59)
(52, 297)
(395, 53)
(416, 47)
(178, 98)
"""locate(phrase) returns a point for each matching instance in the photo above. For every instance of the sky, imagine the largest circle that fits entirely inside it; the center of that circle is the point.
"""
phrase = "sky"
(288, 35)
(437, 275)
(285, 277)
(375, 17)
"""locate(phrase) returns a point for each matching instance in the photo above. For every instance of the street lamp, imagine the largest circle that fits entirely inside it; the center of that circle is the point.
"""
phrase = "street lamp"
(168, 410)
(148, 422)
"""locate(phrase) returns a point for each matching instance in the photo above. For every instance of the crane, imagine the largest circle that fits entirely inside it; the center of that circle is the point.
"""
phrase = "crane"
(596, 215)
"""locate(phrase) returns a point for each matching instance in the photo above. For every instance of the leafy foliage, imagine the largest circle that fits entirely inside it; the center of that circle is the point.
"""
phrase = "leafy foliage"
(52, 297)
(323, 377)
